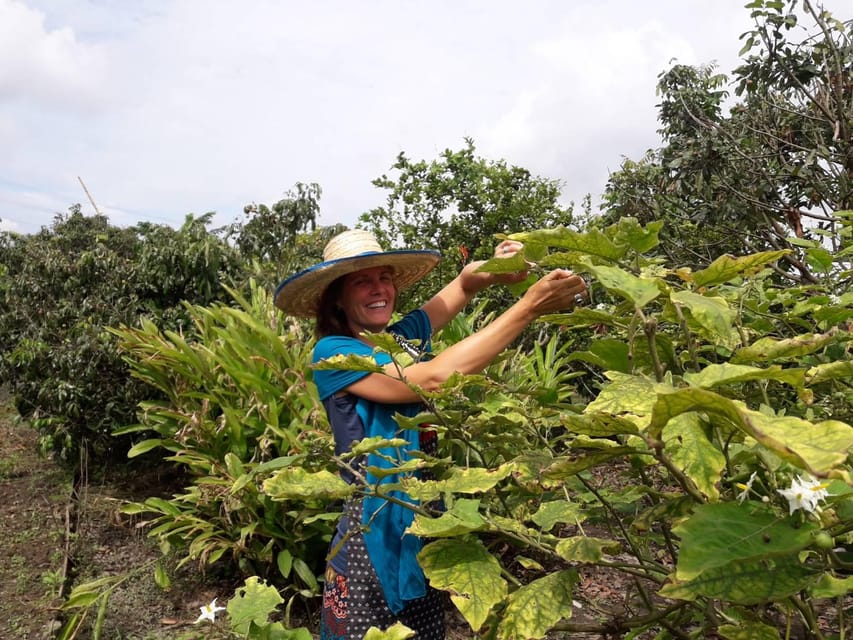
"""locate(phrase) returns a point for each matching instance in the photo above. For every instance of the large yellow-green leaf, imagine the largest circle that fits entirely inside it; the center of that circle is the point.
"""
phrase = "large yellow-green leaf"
(830, 371)
(472, 480)
(598, 424)
(638, 291)
(296, 483)
(350, 363)
(712, 313)
(746, 630)
(641, 239)
(719, 374)
(688, 446)
(725, 533)
(585, 548)
(815, 447)
(558, 511)
(745, 582)
(566, 466)
(253, 602)
(397, 631)
(534, 608)
(624, 394)
(593, 242)
(770, 348)
(469, 572)
(463, 517)
(728, 267)
(831, 587)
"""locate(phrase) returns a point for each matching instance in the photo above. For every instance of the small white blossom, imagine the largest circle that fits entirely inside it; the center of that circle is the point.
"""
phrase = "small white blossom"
(745, 488)
(834, 299)
(208, 612)
(804, 494)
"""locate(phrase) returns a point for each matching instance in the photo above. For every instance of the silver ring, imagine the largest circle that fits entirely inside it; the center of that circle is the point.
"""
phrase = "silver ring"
(505, 250)
(578, 299)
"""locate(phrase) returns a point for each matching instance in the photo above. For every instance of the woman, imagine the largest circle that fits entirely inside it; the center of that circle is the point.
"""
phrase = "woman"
(373, 577)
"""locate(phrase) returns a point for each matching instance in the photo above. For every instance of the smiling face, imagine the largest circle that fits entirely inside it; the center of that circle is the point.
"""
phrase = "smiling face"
(367, 298)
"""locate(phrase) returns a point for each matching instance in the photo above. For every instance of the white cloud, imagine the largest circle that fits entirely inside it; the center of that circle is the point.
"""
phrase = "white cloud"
(166, 108)
(45, 67)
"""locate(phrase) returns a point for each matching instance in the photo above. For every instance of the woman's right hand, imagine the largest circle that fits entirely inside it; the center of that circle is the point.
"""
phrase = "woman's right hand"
(555, 292)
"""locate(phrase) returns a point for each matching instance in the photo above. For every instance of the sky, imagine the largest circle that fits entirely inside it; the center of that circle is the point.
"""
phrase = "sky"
(164, 108)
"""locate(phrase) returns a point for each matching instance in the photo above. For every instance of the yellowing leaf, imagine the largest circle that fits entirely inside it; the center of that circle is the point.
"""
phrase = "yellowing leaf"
(638, 291)
(712, 313)
(469, 572)
(585, 549)
(558, 511)
(719, 374)
(728, 267)
(462, 517)
(534, 608)
(690, 449)
(298, 484)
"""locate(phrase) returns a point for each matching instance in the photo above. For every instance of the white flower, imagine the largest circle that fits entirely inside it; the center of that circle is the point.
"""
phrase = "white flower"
(745, 488)
(833, 299)
(804, 494)
(208, 612)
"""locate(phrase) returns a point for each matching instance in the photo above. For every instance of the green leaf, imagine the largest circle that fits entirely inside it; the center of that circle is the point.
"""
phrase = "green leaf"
(536, 607)
(598, 424)
(593, 242)
(397, 631)
(831, 587)
(746, 583)
(719, 374)
(463, 517)
(640, 239)
(746, 630)
(625, 394)
(558, 511)
(712, 313)
(299, 484)
(161, 576)
(728, 267)
(725, 533)
(586, 549)
(469, 481)
(770, 348)
(349, 363)
(815, 447)
(284, 562)
(145, 446)
(253, 602)
(830, 371)
(691, 450)
(638, 291)
(469, 572)
(565, 466)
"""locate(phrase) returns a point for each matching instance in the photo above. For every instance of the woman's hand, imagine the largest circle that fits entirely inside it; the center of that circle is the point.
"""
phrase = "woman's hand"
(559, 290)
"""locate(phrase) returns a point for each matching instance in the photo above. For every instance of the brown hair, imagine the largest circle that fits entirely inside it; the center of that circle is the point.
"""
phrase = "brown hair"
(331, 319)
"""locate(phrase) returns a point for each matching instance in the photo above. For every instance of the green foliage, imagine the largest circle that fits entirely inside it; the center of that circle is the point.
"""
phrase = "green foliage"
(773, 172)
(238, 401)
(456, 205)
(650, 477)
(61, 289)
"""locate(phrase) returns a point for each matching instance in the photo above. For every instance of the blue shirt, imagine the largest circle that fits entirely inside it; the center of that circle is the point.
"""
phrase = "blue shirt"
(392, 552)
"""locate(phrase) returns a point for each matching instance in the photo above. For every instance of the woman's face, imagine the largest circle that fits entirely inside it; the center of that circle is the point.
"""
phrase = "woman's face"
(367, 298)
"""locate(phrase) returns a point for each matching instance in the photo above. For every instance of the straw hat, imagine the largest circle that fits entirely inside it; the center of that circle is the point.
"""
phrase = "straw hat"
(347, 252)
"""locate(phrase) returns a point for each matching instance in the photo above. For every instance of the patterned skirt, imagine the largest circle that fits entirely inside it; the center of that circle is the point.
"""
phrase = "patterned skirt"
(355, 602)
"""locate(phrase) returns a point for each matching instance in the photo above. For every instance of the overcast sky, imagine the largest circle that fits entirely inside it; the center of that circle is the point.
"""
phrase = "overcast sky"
(165, 108)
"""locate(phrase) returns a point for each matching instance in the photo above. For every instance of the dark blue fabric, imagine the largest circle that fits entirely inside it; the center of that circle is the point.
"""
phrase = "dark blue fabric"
(393, 553)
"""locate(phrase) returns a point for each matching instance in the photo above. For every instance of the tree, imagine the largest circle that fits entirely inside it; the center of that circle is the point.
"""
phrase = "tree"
(775, 171)
(456, 204)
